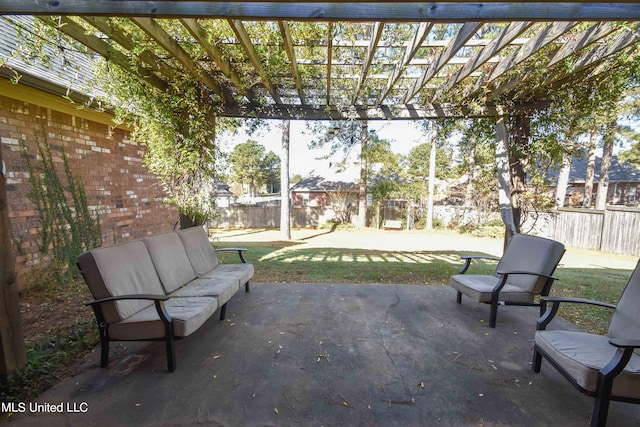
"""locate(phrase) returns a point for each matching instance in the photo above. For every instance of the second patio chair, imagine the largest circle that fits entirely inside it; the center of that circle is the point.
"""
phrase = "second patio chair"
(606, 367)
(524, 272)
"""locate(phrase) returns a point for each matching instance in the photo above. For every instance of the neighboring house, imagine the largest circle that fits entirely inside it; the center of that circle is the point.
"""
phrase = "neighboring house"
(224, 196)
(624, 182)
(317, 191)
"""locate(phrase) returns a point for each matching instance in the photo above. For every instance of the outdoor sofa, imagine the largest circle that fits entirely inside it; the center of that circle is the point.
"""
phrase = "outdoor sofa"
(162, 287)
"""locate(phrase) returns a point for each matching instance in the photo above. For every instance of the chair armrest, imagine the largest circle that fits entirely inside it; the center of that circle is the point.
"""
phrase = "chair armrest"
(239, 250)
(625, 342)
(547, 315)
(130, 296)
(468, 258)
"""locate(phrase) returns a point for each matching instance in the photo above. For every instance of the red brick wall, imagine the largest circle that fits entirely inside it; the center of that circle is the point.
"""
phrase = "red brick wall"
(126, 196)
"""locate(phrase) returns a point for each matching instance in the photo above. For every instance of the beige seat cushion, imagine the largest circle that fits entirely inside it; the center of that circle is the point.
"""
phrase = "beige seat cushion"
(170, 260)
(188, 315)
(223, 287)
(582, 355)
(241, 271)
(478, 287)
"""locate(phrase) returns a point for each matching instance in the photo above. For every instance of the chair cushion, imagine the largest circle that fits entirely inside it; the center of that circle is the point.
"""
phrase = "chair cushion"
(170, 260)
(582, 355)
(534, 254)
(120, 269)
(188, 315)
(222, 286)
(199, 250)
(479, 287)
(242, 271)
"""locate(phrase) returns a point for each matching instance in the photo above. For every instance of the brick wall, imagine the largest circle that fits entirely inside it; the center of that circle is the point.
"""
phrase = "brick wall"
(126, 196)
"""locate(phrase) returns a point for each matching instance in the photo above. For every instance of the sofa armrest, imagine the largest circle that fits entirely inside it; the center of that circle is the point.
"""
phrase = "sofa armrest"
(127, 297)
(239, 250)
(468, 258)
(158, 301)
(547, 315)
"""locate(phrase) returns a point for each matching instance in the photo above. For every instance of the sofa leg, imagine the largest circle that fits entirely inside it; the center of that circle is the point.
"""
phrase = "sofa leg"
(459, 297)
(246, 287)
(223, 311)
(104, 352)
(171, 354)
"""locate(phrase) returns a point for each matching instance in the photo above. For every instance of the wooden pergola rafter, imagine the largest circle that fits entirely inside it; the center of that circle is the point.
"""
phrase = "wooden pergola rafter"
(444, 62)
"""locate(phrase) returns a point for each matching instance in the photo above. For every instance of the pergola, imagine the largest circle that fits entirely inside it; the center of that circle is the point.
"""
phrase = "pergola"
(338, 60)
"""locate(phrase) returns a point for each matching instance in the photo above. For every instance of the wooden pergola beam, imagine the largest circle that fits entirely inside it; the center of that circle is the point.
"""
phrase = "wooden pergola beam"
(74, 30)
(384, 11)
(285, 32)
(465, 33)
(214, 52)
(247, 45)
(376, 33)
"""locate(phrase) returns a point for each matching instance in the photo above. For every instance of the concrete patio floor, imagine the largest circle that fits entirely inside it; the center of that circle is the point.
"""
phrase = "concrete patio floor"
(332, 355)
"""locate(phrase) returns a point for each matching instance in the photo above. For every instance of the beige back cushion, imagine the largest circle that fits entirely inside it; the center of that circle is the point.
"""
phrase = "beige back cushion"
(120, 270)
(625, 322)
(534, 254)
(199, 250)
(170, 260)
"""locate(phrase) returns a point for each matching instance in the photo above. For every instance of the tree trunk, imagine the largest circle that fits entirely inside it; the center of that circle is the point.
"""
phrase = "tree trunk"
(587, 200)
(563, 180)
(285, 212)
(432, 177)
(519, 161)
(13, 355)
(607, 154)
(362, 194)
(504, 178)
(471, 169)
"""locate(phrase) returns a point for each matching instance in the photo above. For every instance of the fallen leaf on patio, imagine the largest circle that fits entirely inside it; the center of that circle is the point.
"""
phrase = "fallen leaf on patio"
(276, 410)
(421, 384)
(481, 394)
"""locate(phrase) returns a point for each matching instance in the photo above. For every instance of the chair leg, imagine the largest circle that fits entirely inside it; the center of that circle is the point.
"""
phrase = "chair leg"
(493, 315)
(601, 405)
(223, 311)
(459, 297)
(246, 287)
(537, 360)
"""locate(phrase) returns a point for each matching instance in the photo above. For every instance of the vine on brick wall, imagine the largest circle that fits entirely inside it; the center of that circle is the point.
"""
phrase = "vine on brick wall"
(67, 227)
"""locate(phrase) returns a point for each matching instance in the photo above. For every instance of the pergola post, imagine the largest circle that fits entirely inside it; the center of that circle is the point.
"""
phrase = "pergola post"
(13, 355)
(285, 211)
(504, 176)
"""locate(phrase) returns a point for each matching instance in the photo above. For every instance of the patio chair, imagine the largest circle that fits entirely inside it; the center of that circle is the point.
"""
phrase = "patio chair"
(523, 272)
(604, 367)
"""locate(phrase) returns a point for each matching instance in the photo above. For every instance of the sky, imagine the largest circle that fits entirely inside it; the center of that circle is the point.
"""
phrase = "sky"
(403, 135)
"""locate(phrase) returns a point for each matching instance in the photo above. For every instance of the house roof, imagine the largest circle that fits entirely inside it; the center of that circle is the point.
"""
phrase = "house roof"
(316, 183)
(620, 171)
(61, 76)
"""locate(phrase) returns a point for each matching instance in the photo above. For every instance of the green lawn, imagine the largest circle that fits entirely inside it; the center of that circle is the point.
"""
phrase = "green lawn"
(298, 261)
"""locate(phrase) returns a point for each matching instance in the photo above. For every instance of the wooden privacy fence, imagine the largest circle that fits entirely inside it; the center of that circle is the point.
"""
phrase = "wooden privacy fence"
(615, 229)
(269, 216)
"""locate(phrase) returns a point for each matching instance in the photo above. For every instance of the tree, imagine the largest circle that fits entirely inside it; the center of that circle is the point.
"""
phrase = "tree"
(253, 167)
